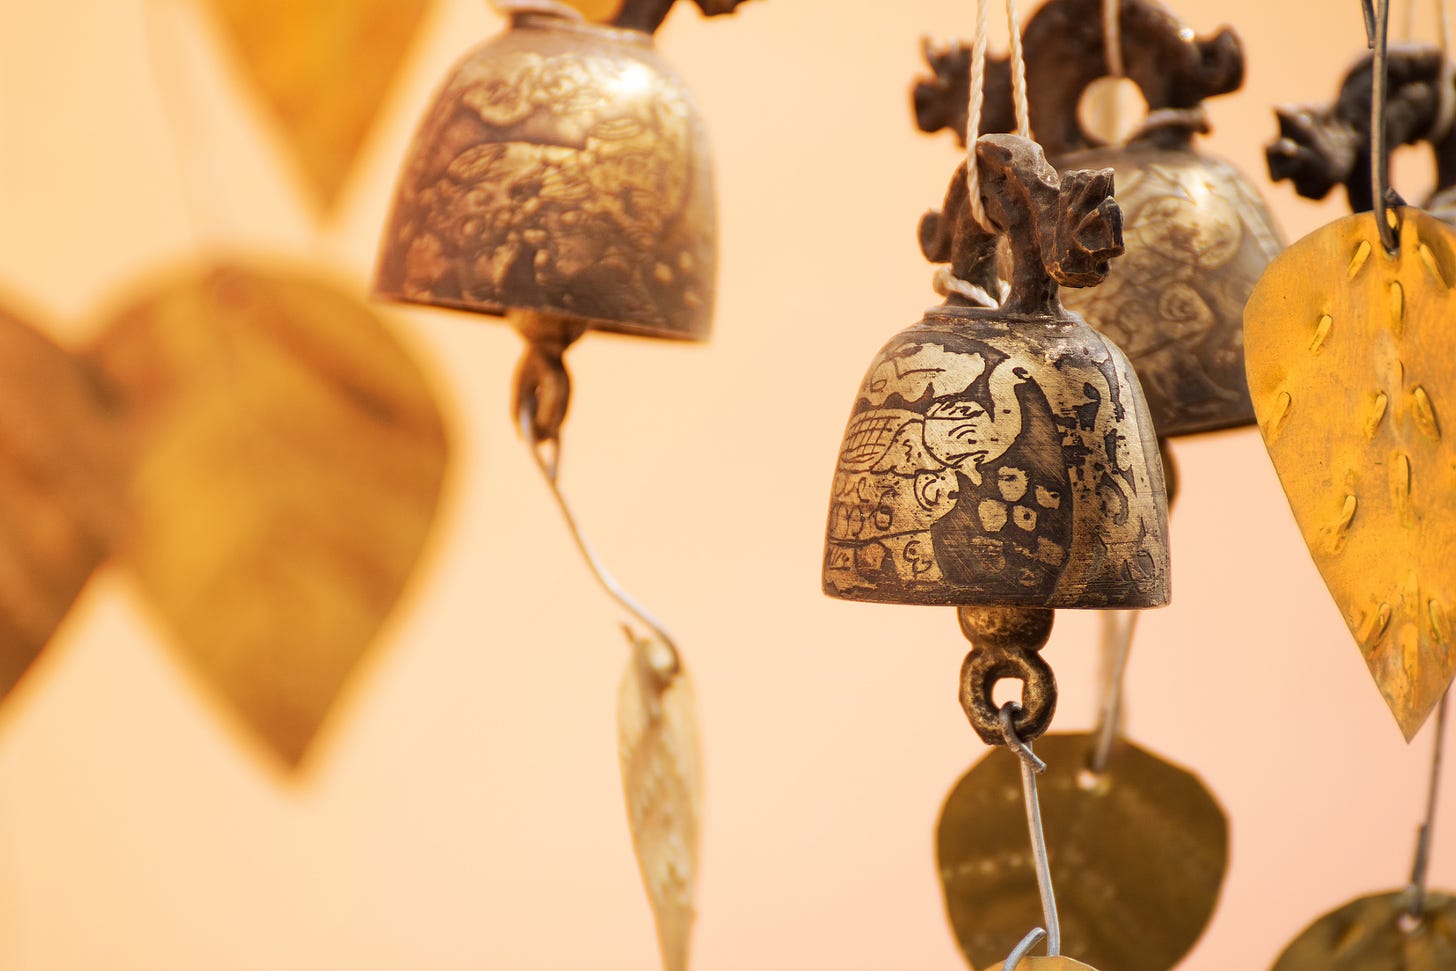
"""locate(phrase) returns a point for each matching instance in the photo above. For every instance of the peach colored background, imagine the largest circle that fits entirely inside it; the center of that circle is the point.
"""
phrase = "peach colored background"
(464, 810)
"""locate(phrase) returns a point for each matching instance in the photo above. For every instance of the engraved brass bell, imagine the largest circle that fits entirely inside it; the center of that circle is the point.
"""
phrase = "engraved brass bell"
(1197, 233)
(1004, 457)
(562, 178)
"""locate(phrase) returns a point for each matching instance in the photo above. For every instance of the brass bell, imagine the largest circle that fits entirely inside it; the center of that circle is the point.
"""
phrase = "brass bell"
(562, 178)
(1004, 456)
(1197, 234)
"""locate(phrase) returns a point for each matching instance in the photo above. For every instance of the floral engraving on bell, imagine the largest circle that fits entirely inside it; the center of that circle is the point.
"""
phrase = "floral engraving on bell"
(563, 168)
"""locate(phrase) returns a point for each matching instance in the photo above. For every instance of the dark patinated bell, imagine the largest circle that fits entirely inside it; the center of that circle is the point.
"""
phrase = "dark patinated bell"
(561, 173)
(1197, 234)
(1004, 456)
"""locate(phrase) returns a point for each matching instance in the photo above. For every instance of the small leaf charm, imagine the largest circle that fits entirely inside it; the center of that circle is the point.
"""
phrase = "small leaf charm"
(658, 743)
(1349, 366)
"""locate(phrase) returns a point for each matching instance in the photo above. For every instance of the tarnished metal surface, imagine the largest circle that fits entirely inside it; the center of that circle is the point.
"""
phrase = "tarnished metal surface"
(1138, 856)
(1371, 934)
(1004, 457)
(1197, 237)
(285, 457)
(1196, 231)
(563, 169)
(1350, 369)
(1006, 644)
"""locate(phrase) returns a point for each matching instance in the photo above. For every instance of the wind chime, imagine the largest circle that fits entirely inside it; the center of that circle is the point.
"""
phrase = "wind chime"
(1000, 457)
(562, 180)
(1348, 363)
(1197, 237)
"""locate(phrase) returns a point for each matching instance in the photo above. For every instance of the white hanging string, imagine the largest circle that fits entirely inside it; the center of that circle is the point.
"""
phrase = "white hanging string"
(1112, 36)
(977, 97)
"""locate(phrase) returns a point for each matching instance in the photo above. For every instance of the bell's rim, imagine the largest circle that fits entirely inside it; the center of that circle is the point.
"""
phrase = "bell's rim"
(501, 311)
(950, 598)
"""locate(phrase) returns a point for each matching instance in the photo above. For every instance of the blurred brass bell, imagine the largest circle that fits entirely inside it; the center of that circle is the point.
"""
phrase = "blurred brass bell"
(562, 178)
(1197, 233)
(562, 169)
(1003, 456)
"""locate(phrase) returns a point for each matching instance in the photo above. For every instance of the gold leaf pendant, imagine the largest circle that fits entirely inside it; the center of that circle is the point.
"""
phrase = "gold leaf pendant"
(59, 509)
(286, 456)
(1351, 373)
(657, 736)
(323, 69)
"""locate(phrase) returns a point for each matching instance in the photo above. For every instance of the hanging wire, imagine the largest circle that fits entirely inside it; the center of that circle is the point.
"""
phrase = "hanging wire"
(1117, 631)
(1423, 840)
(1377, 26)
(1030, 767)
(667, 662)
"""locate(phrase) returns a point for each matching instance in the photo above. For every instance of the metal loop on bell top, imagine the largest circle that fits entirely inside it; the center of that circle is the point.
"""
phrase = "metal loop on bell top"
(1377, 24)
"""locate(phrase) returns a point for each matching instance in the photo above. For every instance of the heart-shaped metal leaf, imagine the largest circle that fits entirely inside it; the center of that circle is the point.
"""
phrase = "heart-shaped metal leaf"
(59, 478)
(286, 456)
(657, 735)
(323, 69)
(1348, 352)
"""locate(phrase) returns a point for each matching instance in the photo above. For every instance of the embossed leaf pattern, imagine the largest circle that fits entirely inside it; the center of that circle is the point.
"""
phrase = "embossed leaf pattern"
(58, 499)
(1349, 366)
(285, 460)
(323, 69)
(658, 744)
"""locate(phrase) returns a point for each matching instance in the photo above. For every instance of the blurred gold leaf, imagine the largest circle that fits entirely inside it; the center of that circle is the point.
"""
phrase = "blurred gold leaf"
(286, 459)
(323, 69)
(59, 479)
(657, 735)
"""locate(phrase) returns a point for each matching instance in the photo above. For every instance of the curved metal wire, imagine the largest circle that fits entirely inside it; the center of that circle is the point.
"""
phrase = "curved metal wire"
(548, 468)
(1030, 766)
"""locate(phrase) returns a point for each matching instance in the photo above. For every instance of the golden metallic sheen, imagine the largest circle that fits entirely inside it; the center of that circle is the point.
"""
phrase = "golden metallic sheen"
(1348, 361)
(1138, 855)
(563, 169)
(1375, 934)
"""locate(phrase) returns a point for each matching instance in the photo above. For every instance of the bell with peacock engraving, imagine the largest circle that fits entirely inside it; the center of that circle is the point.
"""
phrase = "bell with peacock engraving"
(1004, 456)
(1197, 233)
